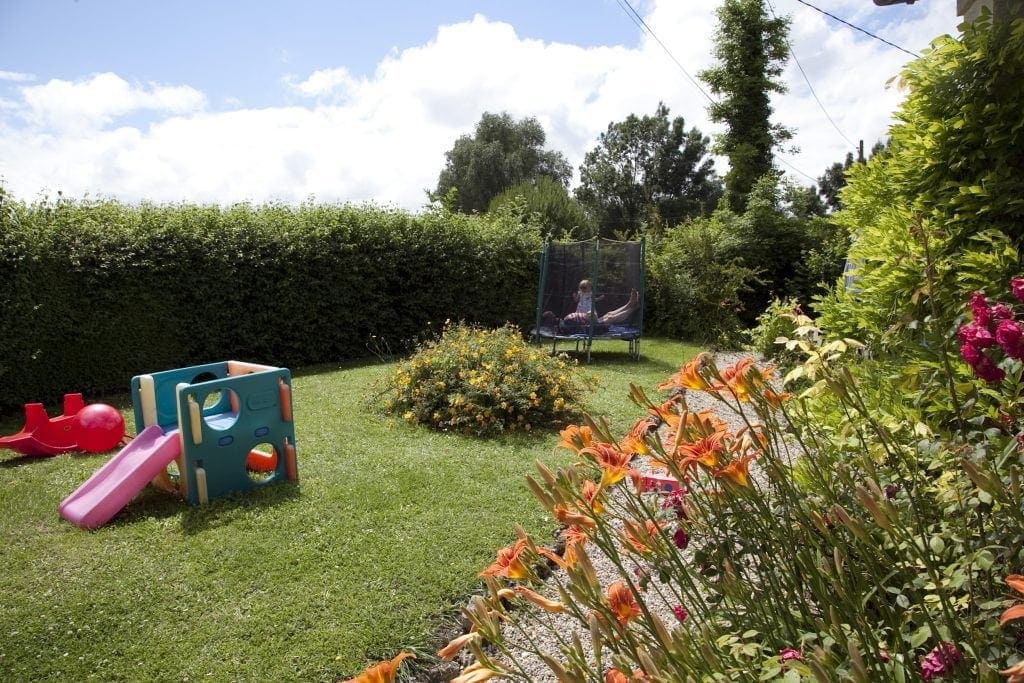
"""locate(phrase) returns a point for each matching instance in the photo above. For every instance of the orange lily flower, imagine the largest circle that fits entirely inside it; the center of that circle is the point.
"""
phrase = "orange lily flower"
(508, 562)
(737, 471)
(705, 451)
(574, 538)
(448, 652)
(688, 376)
(575, 437)
(641, 539)
(539, 600)
(475, 673)
(613, 463)
(774, 399)
(569, 518)
(613, 675)
(736, 380)
(1015, 673)
(622, 603)
(591, 496)
(1016, 582)
(383, 672)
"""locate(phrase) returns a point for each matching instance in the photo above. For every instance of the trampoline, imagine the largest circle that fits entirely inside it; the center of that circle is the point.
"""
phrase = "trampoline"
(616, 273)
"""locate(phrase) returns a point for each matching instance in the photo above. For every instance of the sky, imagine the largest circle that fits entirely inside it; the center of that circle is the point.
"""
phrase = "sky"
(337, 101)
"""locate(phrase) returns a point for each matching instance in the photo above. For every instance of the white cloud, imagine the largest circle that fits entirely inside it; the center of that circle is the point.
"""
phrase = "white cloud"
(98, 100)
(16, 77)
(383, 137)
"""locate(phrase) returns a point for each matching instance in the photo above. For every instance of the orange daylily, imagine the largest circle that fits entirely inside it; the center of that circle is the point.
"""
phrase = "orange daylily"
(448, 652)
(634, 441)
(614, 463)
(622, 603)
(509, 563)
(705, 451)
(774, 399)
(736, 379)
(571, 517)
(641, 539)
(737, 471)
(574, 538)
(591, 496)
(383, 672)
(613, 675)
(475, 673)
(1016, 582)
(688, 376)
(539, 600)
(575, 437)
(1015, 673)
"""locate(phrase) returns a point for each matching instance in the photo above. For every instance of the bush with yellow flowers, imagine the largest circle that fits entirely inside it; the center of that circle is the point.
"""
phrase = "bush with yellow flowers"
(484, 382)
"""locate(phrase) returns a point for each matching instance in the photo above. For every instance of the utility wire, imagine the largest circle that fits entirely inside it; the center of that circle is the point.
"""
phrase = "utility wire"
(779, 157)
(811, 87)
(869, 33)
(639, 21)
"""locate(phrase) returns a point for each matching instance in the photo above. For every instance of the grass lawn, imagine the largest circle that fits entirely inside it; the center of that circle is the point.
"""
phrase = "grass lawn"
(379, 541)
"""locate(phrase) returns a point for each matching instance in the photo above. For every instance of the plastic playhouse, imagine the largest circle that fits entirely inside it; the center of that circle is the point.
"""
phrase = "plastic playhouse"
(226, 426)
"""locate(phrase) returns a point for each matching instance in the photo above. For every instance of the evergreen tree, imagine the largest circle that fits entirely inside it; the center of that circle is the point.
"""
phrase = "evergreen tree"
(751, 49)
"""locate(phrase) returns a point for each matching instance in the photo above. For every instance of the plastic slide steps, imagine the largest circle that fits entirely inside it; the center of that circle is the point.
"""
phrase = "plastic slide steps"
(113, 485)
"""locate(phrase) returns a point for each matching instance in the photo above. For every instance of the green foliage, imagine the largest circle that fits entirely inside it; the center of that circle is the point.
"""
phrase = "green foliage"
(779, 321)
(751, 50)
(647, 171)
(483, 382)
(501, 153)
(940, 214)
(790, 253)
(546, 203)
(94, 292)
(695, 284)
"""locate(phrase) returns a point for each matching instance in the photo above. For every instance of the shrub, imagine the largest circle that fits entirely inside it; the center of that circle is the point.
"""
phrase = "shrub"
(483, 382)
(694, 288)
(778, 322)
(940, 214)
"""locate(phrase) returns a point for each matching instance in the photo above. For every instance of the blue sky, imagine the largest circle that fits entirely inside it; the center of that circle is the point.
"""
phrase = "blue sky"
(222, 101)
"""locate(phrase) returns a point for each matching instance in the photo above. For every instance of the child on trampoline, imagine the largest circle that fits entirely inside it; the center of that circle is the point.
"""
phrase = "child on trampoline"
(584, 302)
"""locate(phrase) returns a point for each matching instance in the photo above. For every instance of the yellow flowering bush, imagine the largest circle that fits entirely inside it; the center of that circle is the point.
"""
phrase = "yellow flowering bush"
(484, 382)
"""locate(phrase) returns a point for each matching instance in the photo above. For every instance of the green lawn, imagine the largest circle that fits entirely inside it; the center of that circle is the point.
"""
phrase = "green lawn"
(379, 541)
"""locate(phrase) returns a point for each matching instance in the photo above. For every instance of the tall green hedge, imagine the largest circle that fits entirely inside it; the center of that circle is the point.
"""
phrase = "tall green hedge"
(93, 292)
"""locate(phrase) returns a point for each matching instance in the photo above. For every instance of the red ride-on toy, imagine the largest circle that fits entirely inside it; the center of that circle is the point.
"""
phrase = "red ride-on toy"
(92, 428)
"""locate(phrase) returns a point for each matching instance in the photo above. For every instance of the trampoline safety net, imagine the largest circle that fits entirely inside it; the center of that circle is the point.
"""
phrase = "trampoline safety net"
(616, 273)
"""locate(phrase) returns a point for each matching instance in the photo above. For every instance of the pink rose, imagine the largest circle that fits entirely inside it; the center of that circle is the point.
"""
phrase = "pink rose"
(1010, 336)
(979, 308)
(1017, 288)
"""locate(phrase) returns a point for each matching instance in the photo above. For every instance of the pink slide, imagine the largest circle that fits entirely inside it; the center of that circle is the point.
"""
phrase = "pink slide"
(96, 501)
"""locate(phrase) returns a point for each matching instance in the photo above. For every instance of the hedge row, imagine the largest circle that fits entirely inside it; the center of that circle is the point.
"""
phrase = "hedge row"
(94, 292)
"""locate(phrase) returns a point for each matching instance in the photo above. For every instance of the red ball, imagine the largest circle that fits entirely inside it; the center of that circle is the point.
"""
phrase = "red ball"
(98, 427)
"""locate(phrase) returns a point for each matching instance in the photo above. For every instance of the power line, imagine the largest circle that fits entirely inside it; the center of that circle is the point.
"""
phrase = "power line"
(811, 87)
(779, 157)
(639, 21)
(853, 26)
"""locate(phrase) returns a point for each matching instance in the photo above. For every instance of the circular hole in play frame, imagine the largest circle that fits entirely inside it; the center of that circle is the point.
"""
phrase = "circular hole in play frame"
(261, 462)
(220, 409)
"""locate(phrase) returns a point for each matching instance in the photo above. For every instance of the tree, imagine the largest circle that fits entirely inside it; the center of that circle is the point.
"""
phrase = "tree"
(501, 153)
(833, 180)
(751, 50)
(648, 169)
(546, 202)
